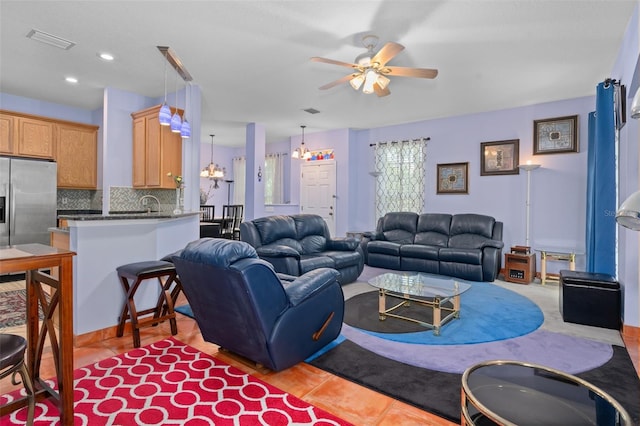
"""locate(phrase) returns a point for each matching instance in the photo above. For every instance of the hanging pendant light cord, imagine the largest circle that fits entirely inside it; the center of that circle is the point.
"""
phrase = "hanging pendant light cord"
(165, 76)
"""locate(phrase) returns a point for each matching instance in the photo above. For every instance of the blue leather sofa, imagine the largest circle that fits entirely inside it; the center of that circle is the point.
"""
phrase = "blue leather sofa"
(467, 246)
(297, 244)
(242, 305)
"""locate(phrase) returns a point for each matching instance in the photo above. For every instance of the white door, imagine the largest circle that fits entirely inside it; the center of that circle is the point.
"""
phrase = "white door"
(318, 191)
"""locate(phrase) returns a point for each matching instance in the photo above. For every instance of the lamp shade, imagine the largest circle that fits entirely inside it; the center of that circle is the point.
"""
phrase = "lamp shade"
(164, 116)
(628, 214)
(185, 129)
(176, 122)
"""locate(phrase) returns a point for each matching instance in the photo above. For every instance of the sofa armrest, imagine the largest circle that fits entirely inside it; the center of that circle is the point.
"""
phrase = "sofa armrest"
(277, 251)
(493, 243)
(309, 284)
(342, 244)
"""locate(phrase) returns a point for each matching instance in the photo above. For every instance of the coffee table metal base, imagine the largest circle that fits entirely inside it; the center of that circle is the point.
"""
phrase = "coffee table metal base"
(405, 300)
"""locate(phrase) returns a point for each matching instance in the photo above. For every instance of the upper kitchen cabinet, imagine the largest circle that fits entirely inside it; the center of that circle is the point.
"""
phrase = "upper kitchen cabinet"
(74, 146)
(77, 155)
(157, 151)
(26, 136)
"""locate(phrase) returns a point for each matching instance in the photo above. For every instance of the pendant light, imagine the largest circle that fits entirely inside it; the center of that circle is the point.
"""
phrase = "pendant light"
(164, 116)
(185, 129)
(213, 171)
(176, 121)
(302, 152)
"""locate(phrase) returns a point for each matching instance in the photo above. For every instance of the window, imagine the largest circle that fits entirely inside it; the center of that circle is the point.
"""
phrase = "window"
(239, 171)
(274, 178)
(400, 185)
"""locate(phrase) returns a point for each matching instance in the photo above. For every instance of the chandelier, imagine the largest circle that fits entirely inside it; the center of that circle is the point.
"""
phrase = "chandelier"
(302, 152)
(213, 171)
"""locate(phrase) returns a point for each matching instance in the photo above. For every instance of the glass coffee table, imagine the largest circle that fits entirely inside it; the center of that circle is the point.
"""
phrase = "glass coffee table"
(429, 290)
(518, 393)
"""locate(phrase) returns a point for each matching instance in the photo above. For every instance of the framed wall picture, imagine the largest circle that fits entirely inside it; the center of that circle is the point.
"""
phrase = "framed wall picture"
(453, 178)
(555, 135)
(499, 158)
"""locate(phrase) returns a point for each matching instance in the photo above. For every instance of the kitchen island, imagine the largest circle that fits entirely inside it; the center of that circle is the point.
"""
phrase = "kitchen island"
(104, 242)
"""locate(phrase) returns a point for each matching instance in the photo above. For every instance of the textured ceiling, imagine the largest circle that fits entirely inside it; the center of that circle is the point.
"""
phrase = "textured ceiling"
(251, 58)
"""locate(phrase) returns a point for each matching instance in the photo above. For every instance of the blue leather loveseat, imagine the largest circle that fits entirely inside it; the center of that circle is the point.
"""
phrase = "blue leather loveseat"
(299, 243)
(467, 246)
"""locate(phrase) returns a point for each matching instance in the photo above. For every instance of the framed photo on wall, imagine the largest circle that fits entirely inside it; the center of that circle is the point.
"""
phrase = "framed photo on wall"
(453, 178)
(555, 135)
(499, 158)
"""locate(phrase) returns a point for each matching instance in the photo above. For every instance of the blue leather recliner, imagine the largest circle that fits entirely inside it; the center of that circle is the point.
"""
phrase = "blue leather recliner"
(242, 305)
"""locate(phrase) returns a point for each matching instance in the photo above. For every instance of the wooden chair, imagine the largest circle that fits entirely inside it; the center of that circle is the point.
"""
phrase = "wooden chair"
(231, 219)
(207, 213)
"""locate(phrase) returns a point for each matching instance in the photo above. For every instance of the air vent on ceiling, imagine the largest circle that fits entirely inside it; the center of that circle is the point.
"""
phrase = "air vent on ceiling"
(50, 39)
(311, 110)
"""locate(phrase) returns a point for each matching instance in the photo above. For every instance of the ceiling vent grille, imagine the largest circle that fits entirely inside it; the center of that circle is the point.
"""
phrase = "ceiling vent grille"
(50, 39)
(311, 110)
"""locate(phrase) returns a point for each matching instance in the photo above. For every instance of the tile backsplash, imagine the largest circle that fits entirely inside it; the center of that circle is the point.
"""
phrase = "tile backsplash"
(120, 199)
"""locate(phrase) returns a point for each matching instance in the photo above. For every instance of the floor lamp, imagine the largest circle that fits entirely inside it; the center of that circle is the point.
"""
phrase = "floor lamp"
(528, 167)
(229, 182)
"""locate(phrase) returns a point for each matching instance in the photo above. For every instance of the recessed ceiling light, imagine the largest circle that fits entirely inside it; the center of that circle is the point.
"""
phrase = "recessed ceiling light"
(106, 56)
(72, 80)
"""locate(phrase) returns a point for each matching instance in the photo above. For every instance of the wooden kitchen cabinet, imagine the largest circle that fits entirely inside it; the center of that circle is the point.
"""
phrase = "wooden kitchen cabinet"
(6, 134)
(157, 151)
(77, 155)
(25, 135)
(74, 146)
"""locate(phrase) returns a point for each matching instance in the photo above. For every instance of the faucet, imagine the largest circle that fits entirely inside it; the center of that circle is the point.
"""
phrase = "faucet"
(144, 197)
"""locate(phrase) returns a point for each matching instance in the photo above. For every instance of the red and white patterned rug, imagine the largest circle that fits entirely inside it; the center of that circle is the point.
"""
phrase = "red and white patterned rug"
(170, 383)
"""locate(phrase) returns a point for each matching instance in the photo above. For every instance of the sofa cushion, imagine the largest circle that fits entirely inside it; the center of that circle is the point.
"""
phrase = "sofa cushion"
(433, 229)
(384, 247)
(461, 255)
(275, 228)
(310, 262)
(343, 259)
(469, 223)
(420, 251)
(311, 233)
(399, 227)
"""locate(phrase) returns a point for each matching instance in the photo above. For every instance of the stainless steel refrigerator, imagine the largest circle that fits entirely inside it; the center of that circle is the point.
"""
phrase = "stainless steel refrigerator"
(28, 198)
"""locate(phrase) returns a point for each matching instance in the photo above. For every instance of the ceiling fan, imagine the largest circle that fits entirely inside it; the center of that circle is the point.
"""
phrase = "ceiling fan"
(371, 71)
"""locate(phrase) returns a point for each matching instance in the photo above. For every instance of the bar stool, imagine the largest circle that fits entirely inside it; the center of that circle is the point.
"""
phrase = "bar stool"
(165, 273)
(12, 350)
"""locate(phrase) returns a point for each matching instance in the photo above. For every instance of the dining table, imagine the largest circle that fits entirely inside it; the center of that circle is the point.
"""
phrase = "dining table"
(49, 286)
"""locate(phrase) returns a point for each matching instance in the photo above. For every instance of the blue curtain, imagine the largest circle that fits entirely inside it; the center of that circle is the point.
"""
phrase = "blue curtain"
(601, 184)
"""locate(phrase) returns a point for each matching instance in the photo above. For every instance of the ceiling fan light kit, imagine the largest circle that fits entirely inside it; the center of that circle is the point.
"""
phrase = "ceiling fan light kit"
(371, 72)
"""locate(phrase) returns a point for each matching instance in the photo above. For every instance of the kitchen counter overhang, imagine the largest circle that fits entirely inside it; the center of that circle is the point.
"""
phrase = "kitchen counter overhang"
(126, 216)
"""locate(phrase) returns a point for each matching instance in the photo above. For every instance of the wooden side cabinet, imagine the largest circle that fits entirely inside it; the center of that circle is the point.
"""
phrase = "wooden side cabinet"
(157, 151)
(77, 155)
(519, 268)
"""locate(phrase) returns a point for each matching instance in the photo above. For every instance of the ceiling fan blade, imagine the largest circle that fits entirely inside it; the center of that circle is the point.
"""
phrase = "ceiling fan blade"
(380, 91)
(338, 82)
(410, 72)
(333, 62)
(387, 52)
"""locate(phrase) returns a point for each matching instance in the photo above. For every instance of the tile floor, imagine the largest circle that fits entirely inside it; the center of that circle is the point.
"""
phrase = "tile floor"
(345, 399)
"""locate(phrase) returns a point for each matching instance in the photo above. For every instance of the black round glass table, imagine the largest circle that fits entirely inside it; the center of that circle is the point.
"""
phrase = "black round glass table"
(517, 393)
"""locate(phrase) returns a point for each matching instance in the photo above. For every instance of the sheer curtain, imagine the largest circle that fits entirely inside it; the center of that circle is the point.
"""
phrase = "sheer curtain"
(274, 178)
(400, 184)
(239, 185)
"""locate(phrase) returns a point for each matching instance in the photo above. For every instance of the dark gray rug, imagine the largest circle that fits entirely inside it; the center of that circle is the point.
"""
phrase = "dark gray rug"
(439, 392)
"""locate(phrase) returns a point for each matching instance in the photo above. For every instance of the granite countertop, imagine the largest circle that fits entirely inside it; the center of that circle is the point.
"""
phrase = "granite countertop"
(127, 216)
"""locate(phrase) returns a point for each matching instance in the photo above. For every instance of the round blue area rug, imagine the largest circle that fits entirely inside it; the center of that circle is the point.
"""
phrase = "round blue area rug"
(488, 313)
